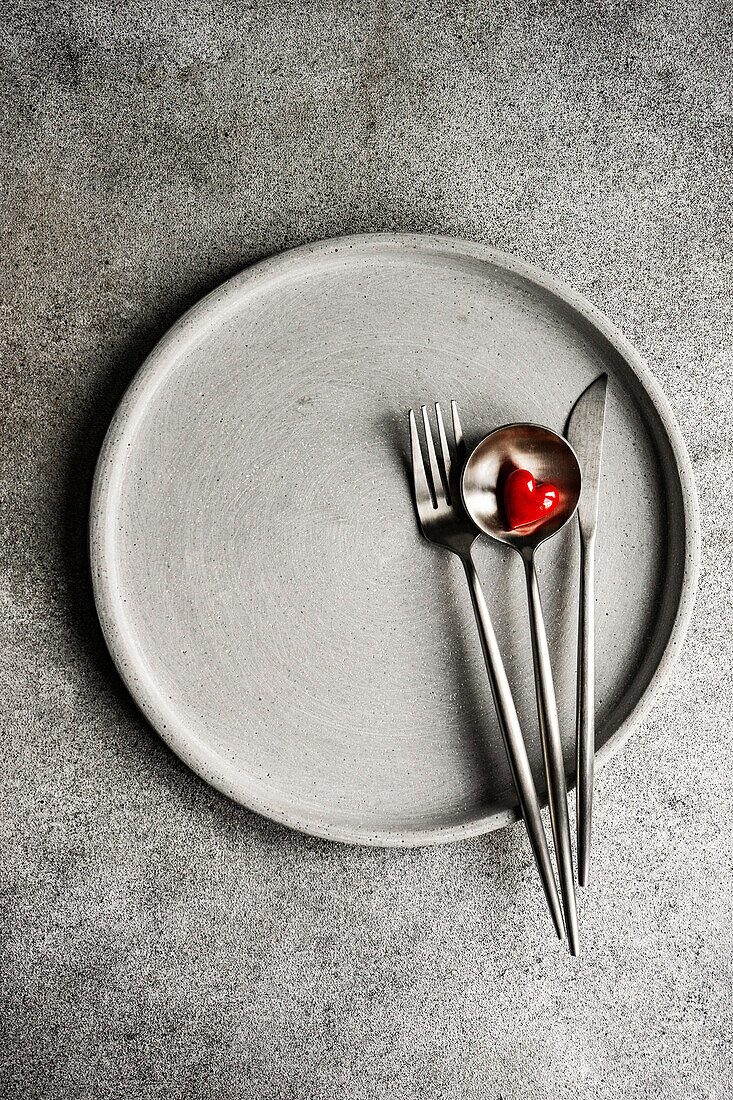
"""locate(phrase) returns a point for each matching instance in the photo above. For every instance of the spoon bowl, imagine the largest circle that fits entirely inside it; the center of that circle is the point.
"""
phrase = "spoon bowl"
(531, 447)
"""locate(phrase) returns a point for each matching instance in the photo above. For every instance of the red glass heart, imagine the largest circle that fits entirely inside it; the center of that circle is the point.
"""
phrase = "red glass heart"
(526, 500)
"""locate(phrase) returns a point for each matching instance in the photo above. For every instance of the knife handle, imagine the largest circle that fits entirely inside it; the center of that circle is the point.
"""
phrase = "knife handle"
(585, 707)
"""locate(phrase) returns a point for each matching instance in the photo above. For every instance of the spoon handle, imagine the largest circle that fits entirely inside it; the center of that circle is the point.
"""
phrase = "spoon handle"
(552, 750)
(585, 726)
(514, 744)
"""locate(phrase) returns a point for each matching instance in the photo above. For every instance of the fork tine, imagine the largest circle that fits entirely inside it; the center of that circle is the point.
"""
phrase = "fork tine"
(420, 485)
(458, 433)
(445, 451)
(438, 490)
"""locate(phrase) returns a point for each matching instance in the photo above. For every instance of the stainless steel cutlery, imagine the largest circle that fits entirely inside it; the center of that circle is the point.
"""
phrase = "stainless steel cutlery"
(585, 434)
(445, 522)
(531, 447)
(458, 497)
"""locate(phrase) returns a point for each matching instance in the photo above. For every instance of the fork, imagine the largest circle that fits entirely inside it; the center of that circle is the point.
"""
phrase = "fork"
(445, 522)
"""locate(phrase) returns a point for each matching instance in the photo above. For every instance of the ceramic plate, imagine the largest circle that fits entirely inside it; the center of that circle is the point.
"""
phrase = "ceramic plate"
(257, 566)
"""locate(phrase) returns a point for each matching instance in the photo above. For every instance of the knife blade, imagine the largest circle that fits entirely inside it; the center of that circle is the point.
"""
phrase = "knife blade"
(584, 432)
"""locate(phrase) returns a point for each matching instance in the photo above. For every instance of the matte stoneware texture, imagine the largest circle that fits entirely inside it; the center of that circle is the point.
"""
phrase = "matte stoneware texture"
(158, 940)
(258, 569)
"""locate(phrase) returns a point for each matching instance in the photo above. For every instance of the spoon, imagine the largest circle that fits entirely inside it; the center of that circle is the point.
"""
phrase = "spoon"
(550, 458)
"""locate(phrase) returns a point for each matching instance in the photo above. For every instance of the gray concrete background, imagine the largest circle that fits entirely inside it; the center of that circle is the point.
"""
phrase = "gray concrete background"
(158, 940)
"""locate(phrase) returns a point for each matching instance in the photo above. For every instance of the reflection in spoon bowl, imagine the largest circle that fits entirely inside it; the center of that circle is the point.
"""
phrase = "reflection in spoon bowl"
(546, 455)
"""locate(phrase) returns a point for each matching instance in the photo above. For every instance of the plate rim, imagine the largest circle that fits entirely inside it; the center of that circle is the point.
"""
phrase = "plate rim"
(146, 380)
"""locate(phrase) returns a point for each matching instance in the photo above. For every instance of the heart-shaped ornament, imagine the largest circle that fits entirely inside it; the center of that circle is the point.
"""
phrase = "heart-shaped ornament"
(526, 500)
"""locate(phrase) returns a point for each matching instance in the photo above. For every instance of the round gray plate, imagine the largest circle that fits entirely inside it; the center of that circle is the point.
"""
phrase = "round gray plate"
(257, 566)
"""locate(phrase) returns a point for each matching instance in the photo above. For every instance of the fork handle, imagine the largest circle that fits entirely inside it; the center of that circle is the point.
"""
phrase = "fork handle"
(514, 743)
(552, 751)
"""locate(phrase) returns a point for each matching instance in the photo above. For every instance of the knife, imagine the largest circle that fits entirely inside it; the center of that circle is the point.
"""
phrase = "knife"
(584, 432)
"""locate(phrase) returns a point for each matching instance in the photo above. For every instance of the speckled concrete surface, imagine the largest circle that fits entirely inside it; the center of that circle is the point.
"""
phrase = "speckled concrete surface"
(159, 941)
